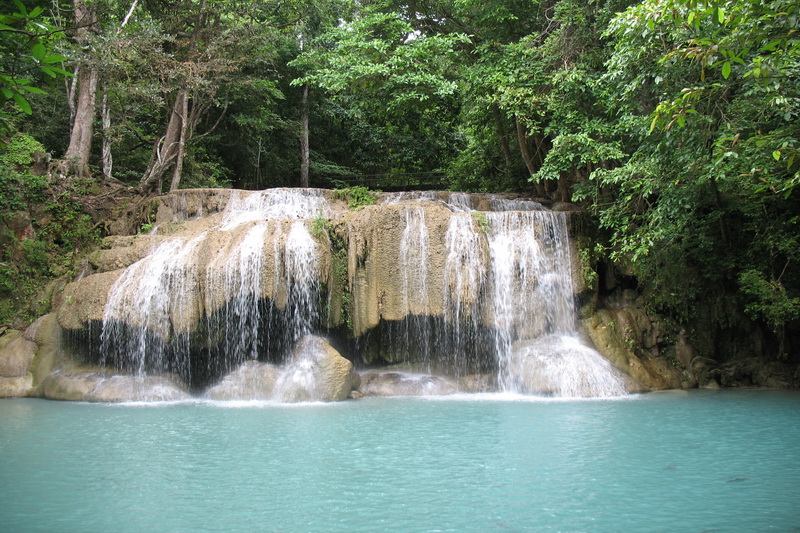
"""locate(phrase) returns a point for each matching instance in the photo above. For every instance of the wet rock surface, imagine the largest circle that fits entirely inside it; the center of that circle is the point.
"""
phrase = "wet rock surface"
(251, 381)
(317, 372)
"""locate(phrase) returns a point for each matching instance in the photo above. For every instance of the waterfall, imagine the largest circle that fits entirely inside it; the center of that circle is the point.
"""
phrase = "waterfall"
(273, 204)
(301, 274)
(215, 283)
(237, 274)
(535, 335)
(149, 303)
(469, 293)
(464, 279)
(416, 334)
(531, 290)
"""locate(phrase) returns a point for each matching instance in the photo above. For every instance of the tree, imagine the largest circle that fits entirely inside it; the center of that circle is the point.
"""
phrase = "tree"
(86, 78)
(384, 75)
(27, 61)
(210, 45)
(710, 95)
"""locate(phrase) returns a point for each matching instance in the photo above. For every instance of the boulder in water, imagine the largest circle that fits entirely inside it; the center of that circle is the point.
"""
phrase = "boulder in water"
(478, 383)
(16, 353)
(96, 386)
(251, 381)
(122, 388)
(316, 373)
(562, 366)
(16, 387)
(403, 384)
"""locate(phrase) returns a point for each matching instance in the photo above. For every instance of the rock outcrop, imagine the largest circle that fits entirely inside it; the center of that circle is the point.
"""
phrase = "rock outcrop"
(619, 333)
(388, 383)
(251, 381)
(16, 355)
(316, 373)
(100, 385)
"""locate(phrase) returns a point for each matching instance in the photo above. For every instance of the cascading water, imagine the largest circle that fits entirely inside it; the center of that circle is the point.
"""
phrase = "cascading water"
(153, 309)
(273, 204)
(526, 248)
(148, 305)
(237, 274)
(250, 287)
(299, 379)
(464, 280)
(414, 258)
(301, 274)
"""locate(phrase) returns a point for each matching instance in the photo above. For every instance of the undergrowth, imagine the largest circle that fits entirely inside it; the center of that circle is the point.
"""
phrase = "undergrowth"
(42, 231)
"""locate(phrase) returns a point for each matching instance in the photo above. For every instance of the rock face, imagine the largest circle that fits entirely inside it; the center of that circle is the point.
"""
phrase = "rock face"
(251, 381)
(16, 354)
(15, 387)
(97, 385)
(316, 373)
(402, 384)
(617, 332)
(27, 358)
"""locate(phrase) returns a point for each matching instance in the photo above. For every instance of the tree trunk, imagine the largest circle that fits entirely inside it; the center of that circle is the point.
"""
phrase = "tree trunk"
(108, 160)
(501, 133)
(178, 170)
(80, 139)
(304, 148)
(165, 150)
(526, 154)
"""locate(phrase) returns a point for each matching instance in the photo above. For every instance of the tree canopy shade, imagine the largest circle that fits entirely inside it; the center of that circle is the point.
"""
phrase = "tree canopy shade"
(673, 122)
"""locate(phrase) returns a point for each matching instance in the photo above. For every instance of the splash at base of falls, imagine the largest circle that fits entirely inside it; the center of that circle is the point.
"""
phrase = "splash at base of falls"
(563, 366)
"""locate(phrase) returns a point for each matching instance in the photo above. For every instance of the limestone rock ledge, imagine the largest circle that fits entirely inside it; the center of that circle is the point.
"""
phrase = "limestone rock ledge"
(623, 338)
(95, 385)
(26, 358)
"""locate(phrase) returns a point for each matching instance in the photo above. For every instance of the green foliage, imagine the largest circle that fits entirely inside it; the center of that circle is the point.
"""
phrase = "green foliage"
(578, 150)
(59, 223)
(321, 227)
(35, 255)
(704, 203)
(27, 61)
(768, 299)
(19, 150)
(342, 281)
(480, 219)
(19, 187)
(357, 196)
(380, 51)
(589, 255)
(7, 280)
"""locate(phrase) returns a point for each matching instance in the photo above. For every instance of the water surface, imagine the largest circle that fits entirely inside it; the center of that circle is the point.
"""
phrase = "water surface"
(699, 461)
